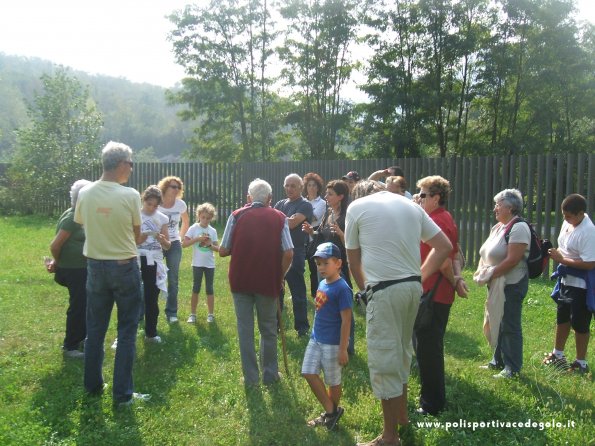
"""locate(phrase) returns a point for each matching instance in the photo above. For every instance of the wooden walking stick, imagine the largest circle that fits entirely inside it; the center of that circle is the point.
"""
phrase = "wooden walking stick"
(282, 332)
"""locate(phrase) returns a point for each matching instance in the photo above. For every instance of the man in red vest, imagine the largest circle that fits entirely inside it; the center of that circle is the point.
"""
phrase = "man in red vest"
(258, 240)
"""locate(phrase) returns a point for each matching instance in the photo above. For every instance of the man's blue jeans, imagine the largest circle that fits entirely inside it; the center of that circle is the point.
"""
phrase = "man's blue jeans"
(297, 287)
(173, 257)
(109, 282)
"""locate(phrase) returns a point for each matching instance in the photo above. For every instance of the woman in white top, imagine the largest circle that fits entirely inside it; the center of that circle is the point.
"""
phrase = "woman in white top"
(172, 205)
(312, 192)
(508, 259)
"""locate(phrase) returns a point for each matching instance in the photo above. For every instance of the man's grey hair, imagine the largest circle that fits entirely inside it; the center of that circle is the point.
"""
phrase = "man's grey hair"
(75, 189)
(260, 190)
(113, 154)
(366, 187)
(513, 198)
(294, 176)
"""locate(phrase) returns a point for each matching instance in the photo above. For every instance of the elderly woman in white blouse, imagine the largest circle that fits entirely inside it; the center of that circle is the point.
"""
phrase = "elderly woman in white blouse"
(507, 257)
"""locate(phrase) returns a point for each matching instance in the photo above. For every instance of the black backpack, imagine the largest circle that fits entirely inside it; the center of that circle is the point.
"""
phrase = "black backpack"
(538, 251)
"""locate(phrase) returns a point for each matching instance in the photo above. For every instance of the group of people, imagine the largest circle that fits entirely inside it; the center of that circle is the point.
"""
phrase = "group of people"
(341, 231)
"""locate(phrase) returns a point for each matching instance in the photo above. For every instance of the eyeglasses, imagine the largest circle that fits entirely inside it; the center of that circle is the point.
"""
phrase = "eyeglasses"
(175, 186)
(423, 195)
(130, 163)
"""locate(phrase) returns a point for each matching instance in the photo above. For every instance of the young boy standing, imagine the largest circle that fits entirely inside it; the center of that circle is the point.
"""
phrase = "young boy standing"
(327, 349)
(203, 237)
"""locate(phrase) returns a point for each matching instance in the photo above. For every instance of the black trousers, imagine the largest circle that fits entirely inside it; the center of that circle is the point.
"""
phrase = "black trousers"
(430, 358)
(75, 279)
(151, 295)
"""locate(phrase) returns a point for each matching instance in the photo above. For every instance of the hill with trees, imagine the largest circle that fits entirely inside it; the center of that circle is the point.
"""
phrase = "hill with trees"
(137, 114)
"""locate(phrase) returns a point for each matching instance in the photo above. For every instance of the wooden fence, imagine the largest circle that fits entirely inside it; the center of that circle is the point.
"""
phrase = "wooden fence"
(543, 179)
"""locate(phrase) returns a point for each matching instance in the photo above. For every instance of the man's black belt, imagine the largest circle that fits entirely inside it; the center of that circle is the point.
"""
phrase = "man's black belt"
(386, 283)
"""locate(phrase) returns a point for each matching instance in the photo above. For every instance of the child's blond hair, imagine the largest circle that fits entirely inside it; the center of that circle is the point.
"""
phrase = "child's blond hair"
(206, 208)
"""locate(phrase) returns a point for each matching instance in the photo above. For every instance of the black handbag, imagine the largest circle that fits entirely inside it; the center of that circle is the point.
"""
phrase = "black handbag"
(425, 313)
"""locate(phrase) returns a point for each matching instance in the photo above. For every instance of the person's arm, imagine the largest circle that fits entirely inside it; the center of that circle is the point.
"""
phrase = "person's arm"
(441, 247)
(514, 254)
(163, 237)
(460, 285)
(185, 224)
(56, 248)
(227, 239)
(578, 264)
(354, 258)
(379, 174)
(345, 331)
(188, 241)
(295, 220)
(138, 237)
(286, 259)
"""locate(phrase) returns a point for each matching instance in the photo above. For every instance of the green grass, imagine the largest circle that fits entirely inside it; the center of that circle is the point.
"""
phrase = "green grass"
(194, 377)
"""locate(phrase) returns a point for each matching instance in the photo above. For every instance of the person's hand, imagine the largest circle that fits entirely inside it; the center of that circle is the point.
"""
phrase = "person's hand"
(461, 288)
(203, 240)
(51, 266)
(555, 255)
(307, 227)
(343, 357)
(335, 229)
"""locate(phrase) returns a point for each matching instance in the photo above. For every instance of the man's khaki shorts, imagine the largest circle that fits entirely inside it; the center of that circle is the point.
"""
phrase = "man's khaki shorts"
(390, 316)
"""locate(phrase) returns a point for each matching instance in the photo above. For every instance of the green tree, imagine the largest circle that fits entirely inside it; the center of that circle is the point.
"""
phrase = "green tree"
(316, 53)
(60, 143)
(224, 47)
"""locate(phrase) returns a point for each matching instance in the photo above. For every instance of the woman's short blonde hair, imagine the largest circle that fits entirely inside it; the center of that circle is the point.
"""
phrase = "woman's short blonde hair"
(436, 185)
(206, 208)
(165, 182)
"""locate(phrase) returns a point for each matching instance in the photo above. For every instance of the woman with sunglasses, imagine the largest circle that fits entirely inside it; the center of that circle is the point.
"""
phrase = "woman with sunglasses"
(429, 348)
(172, 205)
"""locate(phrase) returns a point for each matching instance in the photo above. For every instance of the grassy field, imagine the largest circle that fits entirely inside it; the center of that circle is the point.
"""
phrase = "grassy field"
(195, 375)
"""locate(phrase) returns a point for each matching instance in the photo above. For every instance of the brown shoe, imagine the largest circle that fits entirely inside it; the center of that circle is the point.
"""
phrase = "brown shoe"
(379, 441)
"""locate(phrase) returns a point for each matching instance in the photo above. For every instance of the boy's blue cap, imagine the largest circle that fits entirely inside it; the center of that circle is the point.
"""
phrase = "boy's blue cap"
(326, 250)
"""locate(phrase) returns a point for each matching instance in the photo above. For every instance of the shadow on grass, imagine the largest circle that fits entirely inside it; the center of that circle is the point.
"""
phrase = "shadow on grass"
(469, 402)
(276, 418)
(61, 396)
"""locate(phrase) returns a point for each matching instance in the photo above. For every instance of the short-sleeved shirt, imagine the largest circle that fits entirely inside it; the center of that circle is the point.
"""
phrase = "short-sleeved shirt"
(445, 292)
(318, 209)
(108, 211)
(388, 228)
(71, 254)
(174, 214)
(331, 299)
(577, 243)
(202, 255)
(298, 206)
(152, 223)
(495, 249)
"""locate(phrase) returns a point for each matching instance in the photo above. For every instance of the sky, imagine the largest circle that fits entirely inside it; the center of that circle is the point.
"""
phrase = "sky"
(125, 38)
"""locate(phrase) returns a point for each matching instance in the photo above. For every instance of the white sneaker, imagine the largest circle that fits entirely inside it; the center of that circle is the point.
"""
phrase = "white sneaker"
(136, 398)
(192, 319)
(115, 344)
(172, 319)
(210, 318)
(153, 340)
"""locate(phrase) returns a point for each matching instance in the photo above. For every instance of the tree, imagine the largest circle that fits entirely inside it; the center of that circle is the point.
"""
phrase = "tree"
(317, 65)
(61, 142)
(224, 49)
